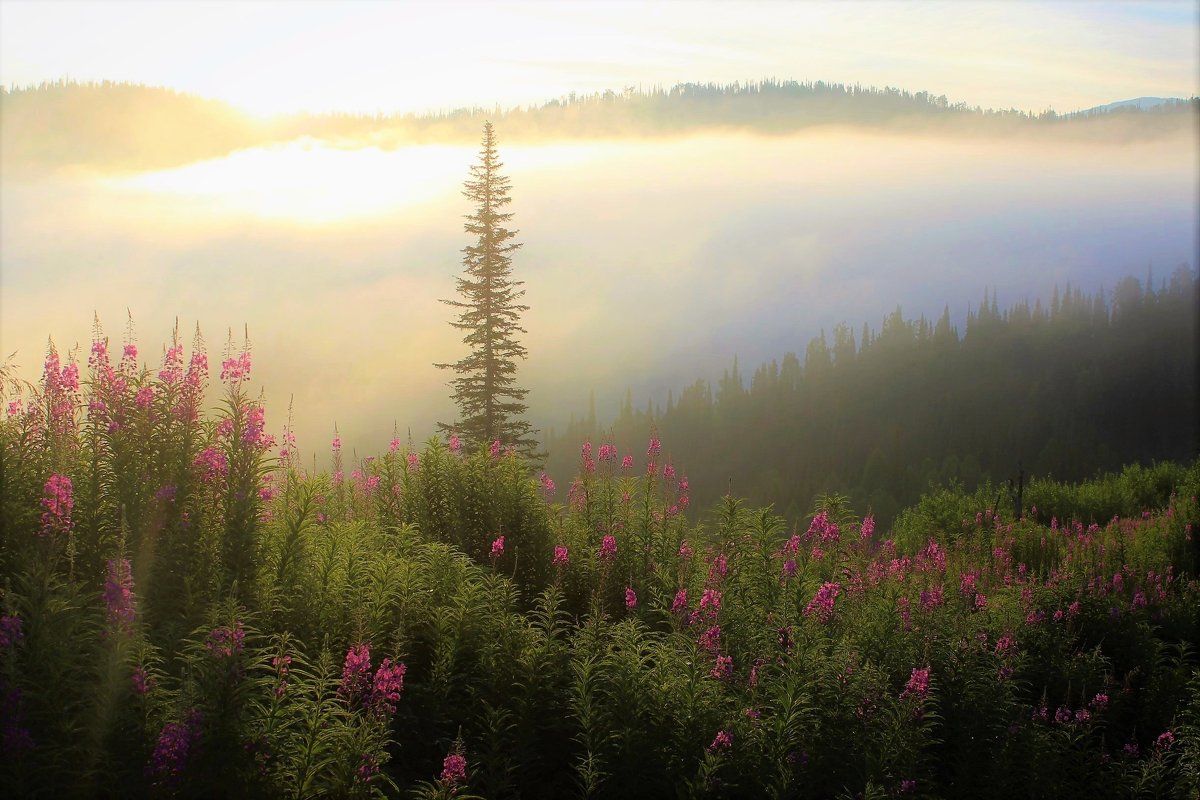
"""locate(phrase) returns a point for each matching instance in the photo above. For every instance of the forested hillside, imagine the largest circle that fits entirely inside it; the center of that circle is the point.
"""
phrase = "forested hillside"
(116, 126)
(1065, 388)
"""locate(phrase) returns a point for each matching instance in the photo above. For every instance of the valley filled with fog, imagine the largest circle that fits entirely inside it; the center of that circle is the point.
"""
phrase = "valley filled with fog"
(648, 262)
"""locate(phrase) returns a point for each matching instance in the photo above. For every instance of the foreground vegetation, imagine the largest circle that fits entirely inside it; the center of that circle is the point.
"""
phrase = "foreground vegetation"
(187, 611)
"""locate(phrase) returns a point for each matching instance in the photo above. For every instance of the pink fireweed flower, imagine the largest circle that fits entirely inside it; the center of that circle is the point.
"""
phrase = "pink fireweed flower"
(547, 485)
(932, 558)
(918, 684)
(10, 631)
(669, 471)
(14, 408)
(679, 604)
(654, 449)
(336, 444)
(253, 434)
(394, 444)
(141, 681)
(172, 371)
(1164, 740)
(144, 397)
(561, 556)
(118, 596)
(685, 551)
(932, 599)
(455, 444)
(817, 553)
(494, 449)
(236, 370)
(226, 642)
(173, 748)
(630, 598)
(822, 603)
(386, 689)
(816, 528)
(58, 501)
(608, 452)
(356, 674)
(368, 768)
(281, 666)
(454, 769)
(723, 668)
(413, 461)
(1100, 701)
(718, 570)
(627, 463)
(711, 599)
(723, 741)
(1063, 715)
(497, 547)
(225, 428)
(867, 529)
(1082, 715)
(710, 640)
(608, 548)
(213, 465)
(789, 568)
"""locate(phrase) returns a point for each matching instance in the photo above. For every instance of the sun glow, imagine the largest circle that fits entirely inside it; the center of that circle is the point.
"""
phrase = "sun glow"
(314, 182)
(311, 182)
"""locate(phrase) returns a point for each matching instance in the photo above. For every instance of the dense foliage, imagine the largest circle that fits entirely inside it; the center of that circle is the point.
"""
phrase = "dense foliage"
(1066, 388)
(187, 612)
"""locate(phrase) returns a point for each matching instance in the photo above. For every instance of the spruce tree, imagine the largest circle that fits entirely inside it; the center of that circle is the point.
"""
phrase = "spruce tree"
(490, 403)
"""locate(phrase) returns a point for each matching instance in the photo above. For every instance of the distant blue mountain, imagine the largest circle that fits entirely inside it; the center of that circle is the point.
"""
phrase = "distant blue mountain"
(1138, 103)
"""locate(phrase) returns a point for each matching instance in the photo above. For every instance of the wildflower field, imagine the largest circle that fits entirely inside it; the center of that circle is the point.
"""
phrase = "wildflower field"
(188, 610)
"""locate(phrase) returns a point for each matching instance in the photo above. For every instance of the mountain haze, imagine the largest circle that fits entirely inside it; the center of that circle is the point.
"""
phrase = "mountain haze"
(113, 126)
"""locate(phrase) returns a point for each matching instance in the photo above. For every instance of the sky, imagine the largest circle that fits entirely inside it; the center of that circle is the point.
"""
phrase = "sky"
(271, 57)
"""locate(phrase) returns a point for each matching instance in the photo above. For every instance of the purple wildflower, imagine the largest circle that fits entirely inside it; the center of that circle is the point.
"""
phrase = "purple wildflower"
(608, 548)
(226, 642)
(723, 741)
(389, 682)
(918, 684)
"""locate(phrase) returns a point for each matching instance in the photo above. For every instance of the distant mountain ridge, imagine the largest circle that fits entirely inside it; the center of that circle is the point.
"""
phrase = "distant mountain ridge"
(121, 126)
(1135, 104)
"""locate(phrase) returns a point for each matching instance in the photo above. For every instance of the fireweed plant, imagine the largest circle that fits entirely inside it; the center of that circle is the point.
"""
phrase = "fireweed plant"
(187, 612)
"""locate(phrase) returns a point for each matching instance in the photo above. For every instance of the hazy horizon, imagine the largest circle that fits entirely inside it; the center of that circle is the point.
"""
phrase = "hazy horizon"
(428, 57)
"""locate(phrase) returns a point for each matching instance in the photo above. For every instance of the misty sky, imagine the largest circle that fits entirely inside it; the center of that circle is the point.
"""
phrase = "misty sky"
(649, 263)
(415, 56)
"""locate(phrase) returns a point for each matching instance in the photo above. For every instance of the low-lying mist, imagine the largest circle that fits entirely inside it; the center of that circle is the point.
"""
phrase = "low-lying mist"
(648, 262)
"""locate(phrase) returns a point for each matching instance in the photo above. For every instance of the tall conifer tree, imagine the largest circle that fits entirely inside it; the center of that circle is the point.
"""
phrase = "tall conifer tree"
(490, 403)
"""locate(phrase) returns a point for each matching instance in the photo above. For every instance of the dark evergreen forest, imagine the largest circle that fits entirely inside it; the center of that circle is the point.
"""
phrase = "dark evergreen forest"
(1069, 388)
